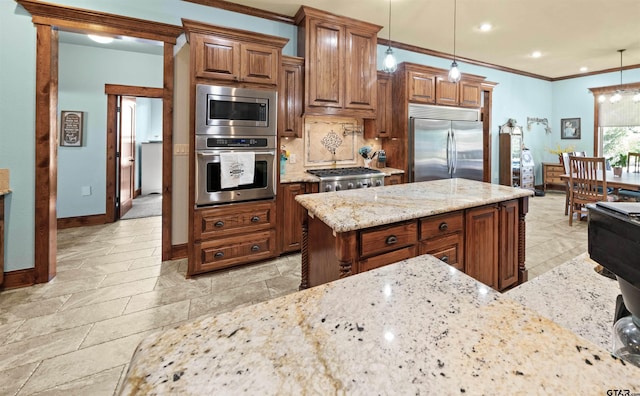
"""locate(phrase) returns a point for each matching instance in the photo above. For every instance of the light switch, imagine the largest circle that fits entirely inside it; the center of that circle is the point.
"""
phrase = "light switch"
(292, 158)
(86, 190)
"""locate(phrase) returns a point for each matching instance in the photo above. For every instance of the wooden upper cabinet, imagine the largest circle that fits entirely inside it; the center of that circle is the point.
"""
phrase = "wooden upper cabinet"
(340, 63)
(226, 54)
(446, 91)
(290, 90)
(382, 125)
(326, 47)
(359, 63)
(422, 87)
(470, 93)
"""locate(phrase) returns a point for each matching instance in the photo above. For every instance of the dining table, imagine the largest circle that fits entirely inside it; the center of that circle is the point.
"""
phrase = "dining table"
(626, 181)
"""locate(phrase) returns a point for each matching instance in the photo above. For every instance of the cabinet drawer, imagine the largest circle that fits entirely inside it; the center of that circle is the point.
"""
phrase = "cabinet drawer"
(449, 248)
(441, 225)
(385, 239)
(227, 252)
(231, 219)
(387, 258)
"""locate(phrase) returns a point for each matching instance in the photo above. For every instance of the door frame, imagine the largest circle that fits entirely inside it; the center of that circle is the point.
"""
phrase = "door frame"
(48, 19)
(114, 91)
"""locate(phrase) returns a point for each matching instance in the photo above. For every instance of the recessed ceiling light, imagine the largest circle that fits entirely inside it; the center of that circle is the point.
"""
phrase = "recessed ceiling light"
(536, 54)
(485, 27)
(100, 39)
(583, 69)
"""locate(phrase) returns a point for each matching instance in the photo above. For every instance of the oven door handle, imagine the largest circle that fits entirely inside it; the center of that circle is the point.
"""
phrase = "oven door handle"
(217, 153)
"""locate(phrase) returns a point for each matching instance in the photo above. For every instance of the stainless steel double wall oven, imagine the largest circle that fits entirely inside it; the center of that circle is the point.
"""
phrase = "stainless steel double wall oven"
(234, 120)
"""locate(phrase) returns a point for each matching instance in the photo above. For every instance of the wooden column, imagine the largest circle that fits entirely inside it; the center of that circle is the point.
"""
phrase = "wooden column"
(523, 272)
(46, 145)
(167, 150)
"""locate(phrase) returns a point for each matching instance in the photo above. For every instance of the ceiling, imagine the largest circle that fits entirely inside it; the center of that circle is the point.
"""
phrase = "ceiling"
(570, 34)
(120, 43)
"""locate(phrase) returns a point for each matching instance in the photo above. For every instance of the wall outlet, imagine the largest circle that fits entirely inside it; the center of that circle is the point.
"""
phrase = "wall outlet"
(292, 158)
(86, 190)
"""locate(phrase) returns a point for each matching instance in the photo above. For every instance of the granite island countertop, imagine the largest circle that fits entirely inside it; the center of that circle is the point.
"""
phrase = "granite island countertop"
(417, 326)
(352, 210)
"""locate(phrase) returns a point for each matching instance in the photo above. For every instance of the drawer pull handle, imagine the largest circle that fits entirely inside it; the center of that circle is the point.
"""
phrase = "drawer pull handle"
(255, 219)
(219, 224)
(391, 240)
(255, 248)
(443, 226)
(219, 255)
(444, 259)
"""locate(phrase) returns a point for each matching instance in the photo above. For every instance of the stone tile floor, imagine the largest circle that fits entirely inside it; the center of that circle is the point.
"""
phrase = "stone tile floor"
(76, 334)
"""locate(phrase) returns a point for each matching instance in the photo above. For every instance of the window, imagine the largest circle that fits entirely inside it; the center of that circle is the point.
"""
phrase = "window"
(618, 121)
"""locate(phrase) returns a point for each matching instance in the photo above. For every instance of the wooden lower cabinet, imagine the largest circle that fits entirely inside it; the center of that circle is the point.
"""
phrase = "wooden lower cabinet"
(291, 217)
(392, 179)
(485, 242)
(240, 249)
(481, 244)
(230, 235)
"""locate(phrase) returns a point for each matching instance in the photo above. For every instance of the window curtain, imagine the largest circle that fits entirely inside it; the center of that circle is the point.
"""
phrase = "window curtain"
(625, 113)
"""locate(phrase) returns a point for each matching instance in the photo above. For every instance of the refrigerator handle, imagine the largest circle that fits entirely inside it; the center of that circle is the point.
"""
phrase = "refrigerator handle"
(454, 153)
(449, 152)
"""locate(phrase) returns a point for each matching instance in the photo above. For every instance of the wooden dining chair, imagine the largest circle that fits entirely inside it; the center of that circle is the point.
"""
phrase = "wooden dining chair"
(567, 189)
(633, 162)
(586, 186)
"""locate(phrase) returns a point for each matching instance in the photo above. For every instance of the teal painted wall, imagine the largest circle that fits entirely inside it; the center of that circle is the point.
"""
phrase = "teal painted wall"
(515, 97)
(17, 99)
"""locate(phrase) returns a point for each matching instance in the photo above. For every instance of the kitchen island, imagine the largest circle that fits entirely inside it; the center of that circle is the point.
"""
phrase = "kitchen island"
(417, 326)
(476, 227)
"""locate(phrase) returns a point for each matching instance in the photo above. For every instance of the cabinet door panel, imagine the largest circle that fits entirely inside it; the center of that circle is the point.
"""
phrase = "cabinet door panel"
(326, 81)
(291, 91)
(508, 262)
(361, 70)
(217, 59)
(470, 94)
(481, 244)
(291, 217)
(422, 87)
(259, 64)
(446, 92)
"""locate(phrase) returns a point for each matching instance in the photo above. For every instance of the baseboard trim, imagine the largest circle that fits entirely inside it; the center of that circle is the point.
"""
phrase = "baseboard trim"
(19, 278)
(81, 221)
(179, 251)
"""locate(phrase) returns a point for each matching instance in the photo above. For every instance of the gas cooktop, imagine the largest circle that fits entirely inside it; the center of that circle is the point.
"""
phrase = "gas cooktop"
(336, 179)
(331, 172)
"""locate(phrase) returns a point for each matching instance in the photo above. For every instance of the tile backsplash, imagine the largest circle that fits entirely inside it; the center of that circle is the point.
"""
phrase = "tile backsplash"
(327, 142)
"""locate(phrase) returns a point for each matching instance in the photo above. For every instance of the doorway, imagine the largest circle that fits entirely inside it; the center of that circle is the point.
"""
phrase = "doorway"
(133, 158)
(82, 21)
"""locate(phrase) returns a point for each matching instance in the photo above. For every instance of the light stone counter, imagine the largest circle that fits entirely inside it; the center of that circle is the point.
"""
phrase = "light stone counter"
(415, 327)
(304, 177)
(352, 210)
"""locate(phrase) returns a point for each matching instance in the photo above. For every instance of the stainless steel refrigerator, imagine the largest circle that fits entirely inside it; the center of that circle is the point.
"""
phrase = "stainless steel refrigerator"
(445, 148)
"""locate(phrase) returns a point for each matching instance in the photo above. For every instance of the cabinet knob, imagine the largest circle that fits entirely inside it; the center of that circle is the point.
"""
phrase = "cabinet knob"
(443, 226)
(219, 255)
(255, 248)
(391, 239)
(219, 224)
(444, 259)
(255, 219)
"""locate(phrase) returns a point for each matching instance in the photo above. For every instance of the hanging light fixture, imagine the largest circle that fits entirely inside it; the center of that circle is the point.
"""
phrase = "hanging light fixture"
(616, 96)
(454, 73)
(390, 63)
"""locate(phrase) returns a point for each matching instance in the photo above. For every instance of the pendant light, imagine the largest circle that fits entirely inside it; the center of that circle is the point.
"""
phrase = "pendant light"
(454, 73)
(390, 63)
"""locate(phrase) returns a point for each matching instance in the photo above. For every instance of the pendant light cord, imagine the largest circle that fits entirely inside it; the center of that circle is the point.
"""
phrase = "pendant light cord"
(621, 51)
(389, 42)
(455, 6)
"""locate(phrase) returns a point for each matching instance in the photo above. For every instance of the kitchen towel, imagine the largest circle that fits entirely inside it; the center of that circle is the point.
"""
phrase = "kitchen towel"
(236, 169)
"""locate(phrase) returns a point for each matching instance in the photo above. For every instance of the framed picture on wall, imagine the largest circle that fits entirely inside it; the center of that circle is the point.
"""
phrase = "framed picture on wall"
(570, 128)
(71, 127)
